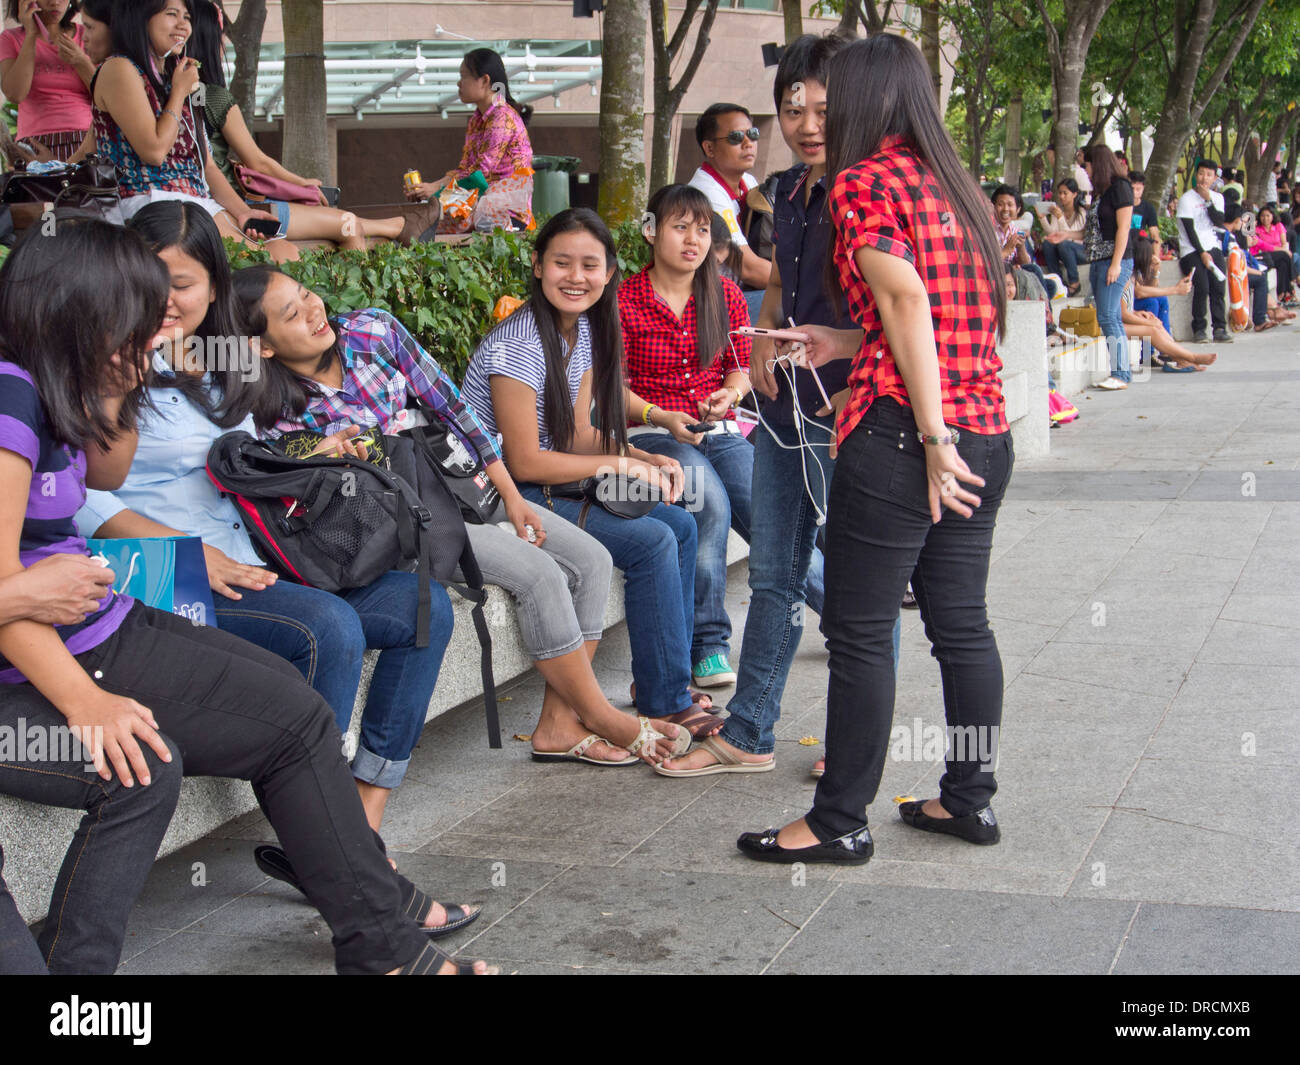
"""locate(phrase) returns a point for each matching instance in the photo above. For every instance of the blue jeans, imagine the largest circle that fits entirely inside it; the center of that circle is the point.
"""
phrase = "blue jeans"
(1157, 305)
(1109, 317)
(785, 570)
(657, 556)
(719, 476)
(1063, 259)
(324, 635)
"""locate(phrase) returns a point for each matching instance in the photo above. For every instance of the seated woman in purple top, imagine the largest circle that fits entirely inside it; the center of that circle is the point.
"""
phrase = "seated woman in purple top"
(70, 388)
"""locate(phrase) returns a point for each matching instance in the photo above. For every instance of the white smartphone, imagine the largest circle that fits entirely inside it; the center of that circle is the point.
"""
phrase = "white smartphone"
(794, 336)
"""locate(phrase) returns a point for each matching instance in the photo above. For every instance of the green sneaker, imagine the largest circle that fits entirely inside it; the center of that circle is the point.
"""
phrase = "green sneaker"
(714, 672)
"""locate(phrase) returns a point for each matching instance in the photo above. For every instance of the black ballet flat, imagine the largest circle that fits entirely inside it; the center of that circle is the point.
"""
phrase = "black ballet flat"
(980, 828)
(853, 848)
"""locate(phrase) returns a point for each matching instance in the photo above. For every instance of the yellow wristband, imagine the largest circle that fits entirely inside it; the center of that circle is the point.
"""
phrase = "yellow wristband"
(645, 414)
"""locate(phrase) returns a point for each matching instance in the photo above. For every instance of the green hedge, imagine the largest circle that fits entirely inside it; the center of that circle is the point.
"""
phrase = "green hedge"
(442, 293)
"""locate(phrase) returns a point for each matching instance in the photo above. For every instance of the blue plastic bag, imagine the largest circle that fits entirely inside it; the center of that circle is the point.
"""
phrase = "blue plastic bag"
(166, 572)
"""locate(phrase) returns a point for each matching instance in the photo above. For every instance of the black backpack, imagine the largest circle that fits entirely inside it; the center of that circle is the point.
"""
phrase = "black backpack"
(339, 523)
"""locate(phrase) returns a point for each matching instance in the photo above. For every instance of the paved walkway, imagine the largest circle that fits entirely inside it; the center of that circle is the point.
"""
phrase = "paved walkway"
(1144, 594)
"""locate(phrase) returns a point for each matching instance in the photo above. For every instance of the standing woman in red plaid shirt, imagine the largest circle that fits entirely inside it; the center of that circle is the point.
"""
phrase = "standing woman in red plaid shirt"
(683, 369)
(924, 451)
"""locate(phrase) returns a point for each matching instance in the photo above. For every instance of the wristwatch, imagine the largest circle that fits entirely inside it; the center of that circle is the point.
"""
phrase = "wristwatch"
(951, 437)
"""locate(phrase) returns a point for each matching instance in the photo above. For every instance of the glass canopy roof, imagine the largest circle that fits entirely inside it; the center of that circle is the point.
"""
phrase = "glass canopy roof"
(420, 76)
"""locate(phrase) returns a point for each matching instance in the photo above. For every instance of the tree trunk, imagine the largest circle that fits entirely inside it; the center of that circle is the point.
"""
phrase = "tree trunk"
(1135, 139)
(1067, 53)
(930, 46)
(668, 97)
(793, 12)
(246, 35)
(1184, 105)
(622, 111)
(1011, 153)
(306, 132)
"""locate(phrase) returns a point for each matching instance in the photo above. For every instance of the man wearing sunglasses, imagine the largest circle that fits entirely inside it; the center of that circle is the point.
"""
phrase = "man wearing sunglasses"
(729, 140)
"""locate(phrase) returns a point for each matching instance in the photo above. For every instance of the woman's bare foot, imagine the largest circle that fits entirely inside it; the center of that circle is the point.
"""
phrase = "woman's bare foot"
(934, 808)
(437, 916)
(559, 736)
(699, 723)
(701, 757)
(797, 834)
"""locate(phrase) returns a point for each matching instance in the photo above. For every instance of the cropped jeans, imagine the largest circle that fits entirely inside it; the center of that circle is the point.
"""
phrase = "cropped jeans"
(657, 556)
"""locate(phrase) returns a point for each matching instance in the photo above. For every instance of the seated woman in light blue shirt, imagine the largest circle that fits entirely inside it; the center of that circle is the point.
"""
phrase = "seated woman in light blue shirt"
(167, 492)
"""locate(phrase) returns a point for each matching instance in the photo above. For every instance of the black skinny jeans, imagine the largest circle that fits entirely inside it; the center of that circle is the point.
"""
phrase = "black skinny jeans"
(878, 537)
(226, 709)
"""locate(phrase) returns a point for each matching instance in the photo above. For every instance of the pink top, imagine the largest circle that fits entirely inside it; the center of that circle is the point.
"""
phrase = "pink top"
(1271, 238)
(57, 102)
(495, 143)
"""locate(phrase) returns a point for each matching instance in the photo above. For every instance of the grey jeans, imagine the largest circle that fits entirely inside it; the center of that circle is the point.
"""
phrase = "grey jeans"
(561, 588)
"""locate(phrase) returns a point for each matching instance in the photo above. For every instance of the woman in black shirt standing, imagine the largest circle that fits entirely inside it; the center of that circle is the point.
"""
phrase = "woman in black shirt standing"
(1110, 255)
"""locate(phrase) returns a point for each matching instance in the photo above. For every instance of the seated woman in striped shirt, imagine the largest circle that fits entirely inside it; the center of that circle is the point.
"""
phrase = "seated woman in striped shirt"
(537, 379)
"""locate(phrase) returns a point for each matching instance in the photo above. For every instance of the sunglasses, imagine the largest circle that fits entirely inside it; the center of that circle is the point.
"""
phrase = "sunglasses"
(737, 136)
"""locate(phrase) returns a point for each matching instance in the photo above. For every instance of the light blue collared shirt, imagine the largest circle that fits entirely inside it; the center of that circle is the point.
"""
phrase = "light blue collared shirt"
(169, 483)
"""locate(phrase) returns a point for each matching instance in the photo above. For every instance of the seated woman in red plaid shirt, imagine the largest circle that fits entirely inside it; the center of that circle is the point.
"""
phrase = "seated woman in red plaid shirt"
(924, 451)
(683, 369)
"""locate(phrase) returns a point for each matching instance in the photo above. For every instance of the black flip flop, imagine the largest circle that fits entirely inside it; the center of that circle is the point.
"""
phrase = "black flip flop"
(275, 863)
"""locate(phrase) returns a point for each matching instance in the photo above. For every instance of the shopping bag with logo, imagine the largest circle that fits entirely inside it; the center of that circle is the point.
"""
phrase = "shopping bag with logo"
(166, 572)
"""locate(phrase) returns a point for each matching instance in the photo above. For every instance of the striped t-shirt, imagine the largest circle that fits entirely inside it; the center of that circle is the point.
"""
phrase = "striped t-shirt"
(57, 492)
(514, 349)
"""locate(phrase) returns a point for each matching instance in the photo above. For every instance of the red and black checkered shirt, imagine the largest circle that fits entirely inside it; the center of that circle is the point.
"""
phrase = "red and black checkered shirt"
(663, 366)
(890, 202)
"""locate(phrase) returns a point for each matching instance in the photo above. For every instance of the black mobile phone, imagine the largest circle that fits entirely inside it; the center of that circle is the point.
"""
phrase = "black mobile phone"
(331, 194)
(267, 227)
(702, 427)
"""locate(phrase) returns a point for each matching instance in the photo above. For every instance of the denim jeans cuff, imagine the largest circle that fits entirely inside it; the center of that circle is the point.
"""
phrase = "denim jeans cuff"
(743, 737)
(370, 768)
(698, 655)
(569, 648)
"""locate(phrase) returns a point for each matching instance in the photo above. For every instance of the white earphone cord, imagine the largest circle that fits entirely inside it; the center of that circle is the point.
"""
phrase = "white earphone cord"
(799, 425)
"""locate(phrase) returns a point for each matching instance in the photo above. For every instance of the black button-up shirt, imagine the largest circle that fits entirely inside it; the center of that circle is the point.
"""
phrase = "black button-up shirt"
(802, 236)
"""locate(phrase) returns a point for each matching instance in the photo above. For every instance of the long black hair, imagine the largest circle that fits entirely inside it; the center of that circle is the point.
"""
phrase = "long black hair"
(188, 227)
(711, 321)
(205, 42)
(99, 10)
(1145, 264)
(11, 12)
(483, 62)
(607, 392)
(280, 393)
(68, 303)
(880, 87)
(130, 30)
